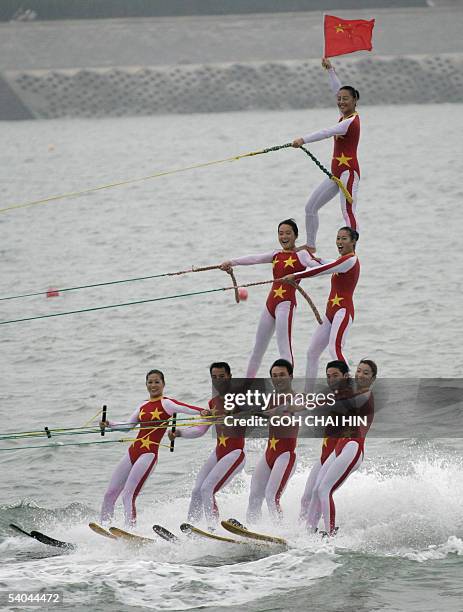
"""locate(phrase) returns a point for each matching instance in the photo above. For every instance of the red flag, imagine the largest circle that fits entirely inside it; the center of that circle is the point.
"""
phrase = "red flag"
(347, 35)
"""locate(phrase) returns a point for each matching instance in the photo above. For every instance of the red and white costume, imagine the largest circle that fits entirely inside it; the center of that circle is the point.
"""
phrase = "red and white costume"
(273, 471)
(279, 309)
(344, 165)
(134, 468)
(223, 464)
(328, 445)
(339, 465)
(339, 313)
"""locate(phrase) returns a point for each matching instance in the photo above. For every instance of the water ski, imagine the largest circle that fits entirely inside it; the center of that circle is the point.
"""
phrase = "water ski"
(191, 530)
(130, 537)
(165, 534)
(102, 531)
(43, 538)
(235, 527)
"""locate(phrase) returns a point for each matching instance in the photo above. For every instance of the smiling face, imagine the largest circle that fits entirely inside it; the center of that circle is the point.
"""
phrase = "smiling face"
(286, 237)
(346, 102)
(364, 376)
(281, 379)
(336, 379)
(155, 385)
(344, 242)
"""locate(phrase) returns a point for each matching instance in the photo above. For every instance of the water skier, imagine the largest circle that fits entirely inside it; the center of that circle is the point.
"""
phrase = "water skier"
(277, 465)
(338, 380)
(281, 301)
(134, 468)
(348, 453)
(339, 313)
(225, 461)
(344, 164)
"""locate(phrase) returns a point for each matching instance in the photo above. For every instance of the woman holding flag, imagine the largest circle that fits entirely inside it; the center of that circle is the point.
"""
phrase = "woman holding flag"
(344, 165)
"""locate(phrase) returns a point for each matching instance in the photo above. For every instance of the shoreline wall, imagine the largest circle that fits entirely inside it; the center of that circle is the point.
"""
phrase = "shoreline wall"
(193, 88)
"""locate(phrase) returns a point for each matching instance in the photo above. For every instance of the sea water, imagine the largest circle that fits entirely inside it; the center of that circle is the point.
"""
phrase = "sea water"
(401, 528)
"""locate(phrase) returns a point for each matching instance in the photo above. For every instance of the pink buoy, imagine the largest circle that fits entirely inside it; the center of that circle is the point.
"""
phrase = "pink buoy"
(243, 293)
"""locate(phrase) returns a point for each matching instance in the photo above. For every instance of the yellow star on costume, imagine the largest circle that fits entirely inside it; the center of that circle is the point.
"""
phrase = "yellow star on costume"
(343, 160)
(223, 440)
(273, 443)
(274, 262)
(280, 292)
(155, 414)
(339, 28)
(336, 301)
(289, 262)
(145, 443)
(141, 414)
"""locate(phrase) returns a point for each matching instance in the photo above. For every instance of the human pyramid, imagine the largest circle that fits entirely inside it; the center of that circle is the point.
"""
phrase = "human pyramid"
(341, 453)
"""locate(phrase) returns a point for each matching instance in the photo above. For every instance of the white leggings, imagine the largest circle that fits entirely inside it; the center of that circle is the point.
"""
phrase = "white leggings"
(333, 473)
(325, 192)
(211, 477)
(283, 322)
(309, 488)
(127, 479)
(328, 334)
(269, 483)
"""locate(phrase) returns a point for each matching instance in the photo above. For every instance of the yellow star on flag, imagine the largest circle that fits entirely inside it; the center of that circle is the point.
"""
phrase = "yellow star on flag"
(339, 28)
(280, 292)
(289, 262)
(155, 414)
(336, 301)
(145, 443)
(223, 440)
(343, 160)
(325, 441)
(274, 262)
(273, 443)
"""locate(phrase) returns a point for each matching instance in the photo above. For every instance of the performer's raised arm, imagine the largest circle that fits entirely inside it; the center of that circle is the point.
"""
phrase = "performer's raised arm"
(335, 83)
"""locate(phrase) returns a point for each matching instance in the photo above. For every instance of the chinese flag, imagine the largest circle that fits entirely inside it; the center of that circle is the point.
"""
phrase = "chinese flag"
(347, 35)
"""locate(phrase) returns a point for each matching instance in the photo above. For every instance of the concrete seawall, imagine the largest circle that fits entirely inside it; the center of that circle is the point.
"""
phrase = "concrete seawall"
(116, 92)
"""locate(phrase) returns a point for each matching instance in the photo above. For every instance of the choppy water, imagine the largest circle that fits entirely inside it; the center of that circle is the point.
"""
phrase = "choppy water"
(400, 542)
